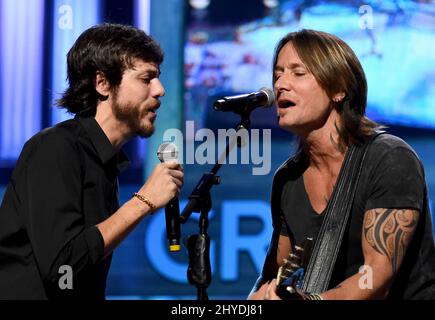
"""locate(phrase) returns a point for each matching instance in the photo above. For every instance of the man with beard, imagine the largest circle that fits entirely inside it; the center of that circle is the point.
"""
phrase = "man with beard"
(60, 211)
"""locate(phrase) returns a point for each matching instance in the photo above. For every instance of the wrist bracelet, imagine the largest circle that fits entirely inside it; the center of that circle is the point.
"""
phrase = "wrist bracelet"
(314, 296)
(146, 201)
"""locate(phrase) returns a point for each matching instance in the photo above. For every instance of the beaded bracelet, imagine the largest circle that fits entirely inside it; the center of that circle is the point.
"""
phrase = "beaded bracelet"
(145, 200)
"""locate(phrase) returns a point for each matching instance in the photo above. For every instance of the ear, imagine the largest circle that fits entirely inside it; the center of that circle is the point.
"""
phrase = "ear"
(338, 97)
(102, 86)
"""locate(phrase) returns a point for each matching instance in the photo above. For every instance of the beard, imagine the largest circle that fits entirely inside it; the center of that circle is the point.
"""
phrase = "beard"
(131, 116)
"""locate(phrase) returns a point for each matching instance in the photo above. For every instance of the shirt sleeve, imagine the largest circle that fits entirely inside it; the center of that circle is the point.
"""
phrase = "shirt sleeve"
(283, 231)
(397, 182)
(55, 221)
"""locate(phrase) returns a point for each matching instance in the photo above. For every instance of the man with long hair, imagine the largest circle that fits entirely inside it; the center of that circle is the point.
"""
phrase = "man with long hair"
(321, 94)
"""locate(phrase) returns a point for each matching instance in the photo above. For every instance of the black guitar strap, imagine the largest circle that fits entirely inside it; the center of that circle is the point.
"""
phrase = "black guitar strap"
(327, 246)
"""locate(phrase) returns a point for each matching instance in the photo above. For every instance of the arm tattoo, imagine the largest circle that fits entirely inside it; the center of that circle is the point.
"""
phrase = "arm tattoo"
(389, 232)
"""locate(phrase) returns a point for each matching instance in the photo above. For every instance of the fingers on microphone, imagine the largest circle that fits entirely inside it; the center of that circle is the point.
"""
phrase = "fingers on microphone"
(176, 174)
(178, 182)
(173, 164)
(175, 189)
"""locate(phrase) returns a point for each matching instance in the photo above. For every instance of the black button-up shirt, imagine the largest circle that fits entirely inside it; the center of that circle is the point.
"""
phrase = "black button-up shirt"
(64, 184)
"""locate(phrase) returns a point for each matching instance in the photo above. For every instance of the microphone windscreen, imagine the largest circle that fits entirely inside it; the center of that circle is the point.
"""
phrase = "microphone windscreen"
(167, 151)
(270, 96)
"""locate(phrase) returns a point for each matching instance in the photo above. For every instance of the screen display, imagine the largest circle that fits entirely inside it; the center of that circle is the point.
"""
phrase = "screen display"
(393, 40)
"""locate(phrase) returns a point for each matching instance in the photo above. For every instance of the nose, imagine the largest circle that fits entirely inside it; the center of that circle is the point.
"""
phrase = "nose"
(281, 84)
(158, 89)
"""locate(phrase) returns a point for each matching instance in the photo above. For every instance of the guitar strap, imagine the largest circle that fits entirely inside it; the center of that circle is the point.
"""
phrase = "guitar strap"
(327, 246)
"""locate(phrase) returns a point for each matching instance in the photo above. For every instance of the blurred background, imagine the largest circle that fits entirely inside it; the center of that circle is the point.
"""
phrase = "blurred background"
(213, 48)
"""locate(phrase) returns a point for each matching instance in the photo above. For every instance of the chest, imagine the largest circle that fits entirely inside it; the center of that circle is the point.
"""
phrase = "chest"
(99, 195)
(319, 188)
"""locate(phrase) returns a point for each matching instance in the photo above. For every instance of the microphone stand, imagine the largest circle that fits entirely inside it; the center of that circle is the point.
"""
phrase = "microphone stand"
(198, 246)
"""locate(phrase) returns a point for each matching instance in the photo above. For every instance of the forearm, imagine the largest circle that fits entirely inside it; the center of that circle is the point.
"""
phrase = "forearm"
(121, 223)
(361, 286)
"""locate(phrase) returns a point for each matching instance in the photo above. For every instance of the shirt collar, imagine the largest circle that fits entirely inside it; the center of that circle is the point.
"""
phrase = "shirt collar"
(105, 150)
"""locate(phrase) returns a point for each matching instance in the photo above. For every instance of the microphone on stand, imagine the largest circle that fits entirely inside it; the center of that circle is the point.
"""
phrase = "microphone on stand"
(246, 102)
(168, 151)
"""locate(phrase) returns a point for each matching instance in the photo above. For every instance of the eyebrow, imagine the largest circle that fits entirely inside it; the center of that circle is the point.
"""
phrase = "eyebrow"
(153, 72)
(292, 65)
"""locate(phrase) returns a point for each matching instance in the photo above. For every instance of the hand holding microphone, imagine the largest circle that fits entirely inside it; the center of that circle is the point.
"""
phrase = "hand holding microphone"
(162, 188)
(168, 152)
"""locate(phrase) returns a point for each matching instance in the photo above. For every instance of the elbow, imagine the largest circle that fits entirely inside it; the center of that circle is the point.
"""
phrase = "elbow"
(383, 290)
(53, 270)
(378, 279)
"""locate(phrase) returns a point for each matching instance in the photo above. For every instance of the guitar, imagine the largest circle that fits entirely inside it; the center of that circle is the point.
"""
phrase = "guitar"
(291, 273)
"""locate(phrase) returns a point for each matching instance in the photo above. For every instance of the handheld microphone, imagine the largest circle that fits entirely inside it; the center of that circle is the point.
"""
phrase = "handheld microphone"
(168, 151)
(246, 102)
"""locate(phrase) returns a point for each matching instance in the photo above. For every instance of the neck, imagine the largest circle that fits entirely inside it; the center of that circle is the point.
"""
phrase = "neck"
(116, 131)
(322, 146)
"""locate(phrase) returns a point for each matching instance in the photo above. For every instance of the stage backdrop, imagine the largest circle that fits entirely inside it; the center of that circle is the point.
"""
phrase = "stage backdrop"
(228, 50)
(214, 49)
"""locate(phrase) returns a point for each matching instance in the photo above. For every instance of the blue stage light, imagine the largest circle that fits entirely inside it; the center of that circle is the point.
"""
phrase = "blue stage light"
(70, 19)
(21, 27)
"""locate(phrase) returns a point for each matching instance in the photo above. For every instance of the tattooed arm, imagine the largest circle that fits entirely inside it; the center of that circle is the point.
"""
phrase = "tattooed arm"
(389, 232)
(386, 235)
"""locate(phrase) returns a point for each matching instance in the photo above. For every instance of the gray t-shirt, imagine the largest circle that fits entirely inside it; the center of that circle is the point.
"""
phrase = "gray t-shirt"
(392, 177)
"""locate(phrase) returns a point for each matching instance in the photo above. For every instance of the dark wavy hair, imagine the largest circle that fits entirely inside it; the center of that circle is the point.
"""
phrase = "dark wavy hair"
(106, 48)
(337, 69)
